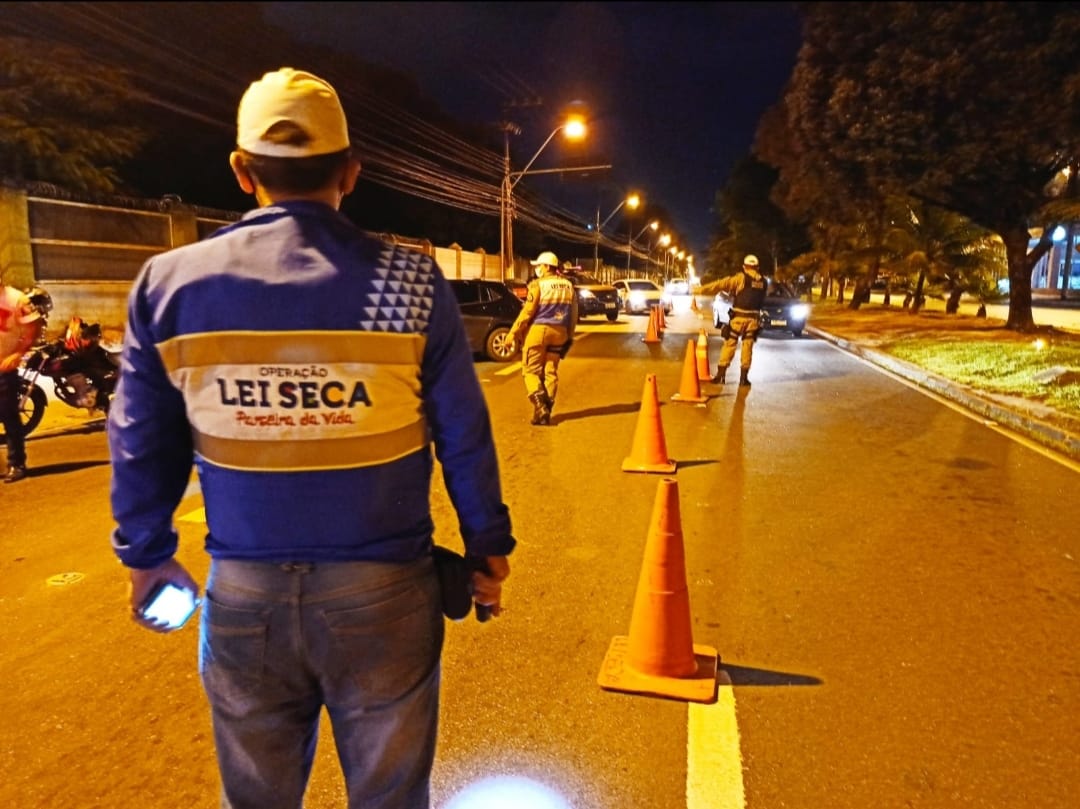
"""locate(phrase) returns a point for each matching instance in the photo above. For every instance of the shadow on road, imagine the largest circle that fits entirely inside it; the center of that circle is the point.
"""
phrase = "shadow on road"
(62, 468)
(745, 675)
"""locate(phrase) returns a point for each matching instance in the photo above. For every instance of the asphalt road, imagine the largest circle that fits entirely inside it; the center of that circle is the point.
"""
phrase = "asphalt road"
(891, 586)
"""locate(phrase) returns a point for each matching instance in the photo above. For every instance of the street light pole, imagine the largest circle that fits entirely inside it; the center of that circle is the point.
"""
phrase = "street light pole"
(633, 201)
(629, 245)
(663, 241)
(575, 128)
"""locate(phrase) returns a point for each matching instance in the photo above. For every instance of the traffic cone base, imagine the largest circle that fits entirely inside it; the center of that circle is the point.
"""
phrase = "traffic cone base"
(616, 674)
(690, 386)
(648, 452)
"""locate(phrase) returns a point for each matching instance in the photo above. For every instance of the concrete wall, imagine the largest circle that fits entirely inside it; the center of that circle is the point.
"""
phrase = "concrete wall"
(87, 252)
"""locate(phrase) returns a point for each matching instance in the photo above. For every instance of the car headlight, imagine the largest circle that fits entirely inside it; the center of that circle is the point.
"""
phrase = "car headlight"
(637, 298)
(798, 312)
(584, 293)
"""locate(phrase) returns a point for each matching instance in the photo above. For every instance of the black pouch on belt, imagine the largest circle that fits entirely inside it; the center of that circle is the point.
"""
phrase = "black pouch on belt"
(455, 581)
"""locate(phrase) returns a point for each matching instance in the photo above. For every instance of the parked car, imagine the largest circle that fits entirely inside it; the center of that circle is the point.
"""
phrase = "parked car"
(519, 288)
(594, 297)
(783, 309)
(639, 295)
(489, 309)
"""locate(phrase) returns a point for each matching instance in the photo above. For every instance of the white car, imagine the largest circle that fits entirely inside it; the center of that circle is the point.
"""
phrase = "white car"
(640, 294)
(677, 286)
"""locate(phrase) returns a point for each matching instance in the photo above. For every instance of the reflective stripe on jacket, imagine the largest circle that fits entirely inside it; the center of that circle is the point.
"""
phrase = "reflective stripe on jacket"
(550, 302)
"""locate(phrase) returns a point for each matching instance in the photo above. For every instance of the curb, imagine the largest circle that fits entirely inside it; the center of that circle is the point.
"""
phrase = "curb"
(1048, 435)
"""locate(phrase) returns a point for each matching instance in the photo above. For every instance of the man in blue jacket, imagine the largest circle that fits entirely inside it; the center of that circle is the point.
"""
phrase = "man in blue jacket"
(307, 370)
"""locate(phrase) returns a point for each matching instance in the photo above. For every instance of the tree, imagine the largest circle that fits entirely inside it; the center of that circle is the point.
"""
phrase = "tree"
(968, 106)
(422, 173)
(748, 221)
(58, 113)
(942, 248)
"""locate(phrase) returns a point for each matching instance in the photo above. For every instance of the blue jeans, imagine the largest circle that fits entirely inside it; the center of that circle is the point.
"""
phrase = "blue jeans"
(280, 641)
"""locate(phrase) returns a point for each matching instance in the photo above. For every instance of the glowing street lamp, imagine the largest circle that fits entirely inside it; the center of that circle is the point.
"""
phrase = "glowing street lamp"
(574, 129)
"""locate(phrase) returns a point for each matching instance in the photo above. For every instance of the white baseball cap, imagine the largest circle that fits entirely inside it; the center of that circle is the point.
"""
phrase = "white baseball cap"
(301, 99)
(750, 261)
(548, 258)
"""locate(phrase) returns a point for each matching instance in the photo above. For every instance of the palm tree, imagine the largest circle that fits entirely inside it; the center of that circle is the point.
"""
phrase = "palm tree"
(943, 248)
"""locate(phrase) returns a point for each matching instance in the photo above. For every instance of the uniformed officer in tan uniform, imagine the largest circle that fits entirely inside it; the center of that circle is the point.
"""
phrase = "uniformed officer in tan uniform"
(545, 331)
(747, 288)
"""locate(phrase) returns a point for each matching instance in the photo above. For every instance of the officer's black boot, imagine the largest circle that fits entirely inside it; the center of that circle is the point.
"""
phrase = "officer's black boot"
(744, 378)
(721, 372)
(549, 405)
(541, 415)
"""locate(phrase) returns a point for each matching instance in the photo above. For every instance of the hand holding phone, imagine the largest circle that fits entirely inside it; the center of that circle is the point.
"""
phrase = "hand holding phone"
(169, 606)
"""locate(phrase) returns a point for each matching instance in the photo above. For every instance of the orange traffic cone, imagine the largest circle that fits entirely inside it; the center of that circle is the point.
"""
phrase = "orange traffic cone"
(649, 451)
(651, 334)
(661, 320)
(659, 656)
(703, 357)
(690, 386)
(693, 304)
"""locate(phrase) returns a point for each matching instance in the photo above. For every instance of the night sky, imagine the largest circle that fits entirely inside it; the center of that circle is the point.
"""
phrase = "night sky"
(675, 90)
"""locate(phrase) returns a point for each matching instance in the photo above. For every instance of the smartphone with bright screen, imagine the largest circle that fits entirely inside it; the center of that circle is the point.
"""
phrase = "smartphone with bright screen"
(171, 605)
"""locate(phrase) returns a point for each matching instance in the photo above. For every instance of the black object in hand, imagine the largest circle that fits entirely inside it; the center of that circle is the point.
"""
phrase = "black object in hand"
(483, 611)
(455, 583)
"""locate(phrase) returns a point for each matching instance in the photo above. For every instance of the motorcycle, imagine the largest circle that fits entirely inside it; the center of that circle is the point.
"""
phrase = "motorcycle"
(83, 373)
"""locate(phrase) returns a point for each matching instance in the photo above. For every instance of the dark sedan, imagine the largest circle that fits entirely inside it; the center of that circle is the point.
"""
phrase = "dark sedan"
(594, 296)
(489, 309)
(783, 310)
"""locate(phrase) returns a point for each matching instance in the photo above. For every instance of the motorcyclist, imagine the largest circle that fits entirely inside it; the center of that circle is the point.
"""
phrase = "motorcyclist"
(21, 323)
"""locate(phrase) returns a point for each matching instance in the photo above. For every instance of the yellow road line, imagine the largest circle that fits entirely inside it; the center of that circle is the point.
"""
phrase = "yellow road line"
(713, 758)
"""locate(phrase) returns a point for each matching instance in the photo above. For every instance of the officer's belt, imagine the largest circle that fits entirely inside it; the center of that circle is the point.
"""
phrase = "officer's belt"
(747, 312)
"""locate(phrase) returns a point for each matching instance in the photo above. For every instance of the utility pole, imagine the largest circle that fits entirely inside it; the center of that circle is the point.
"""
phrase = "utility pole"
(506, 191)
(506, 214)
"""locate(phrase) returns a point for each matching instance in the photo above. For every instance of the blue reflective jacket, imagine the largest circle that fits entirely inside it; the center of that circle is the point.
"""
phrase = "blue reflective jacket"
(307, 369)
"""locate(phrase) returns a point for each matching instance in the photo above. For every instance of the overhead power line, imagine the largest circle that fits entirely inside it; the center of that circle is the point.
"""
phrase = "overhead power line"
(398, 149)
